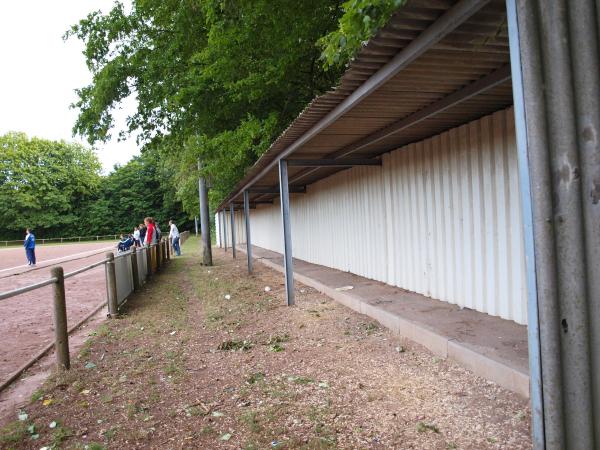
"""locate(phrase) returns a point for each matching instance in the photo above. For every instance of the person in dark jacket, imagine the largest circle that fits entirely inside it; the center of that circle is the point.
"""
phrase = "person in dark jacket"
(29, 245)
(142, 229)
(125, 243)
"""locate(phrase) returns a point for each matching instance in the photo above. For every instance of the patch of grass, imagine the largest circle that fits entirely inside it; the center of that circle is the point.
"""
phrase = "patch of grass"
(173, 369)
(59, 435)
(195, 411)
(110, 433)
(13, 433)
(38, 394)
(94, 446)
(276, 348)
(235, 345)
(209, 431)
(301, 380)
(106, 398)
(250, 418)
(255, 378)
(422, 427)
(369, 328)
(278, 339)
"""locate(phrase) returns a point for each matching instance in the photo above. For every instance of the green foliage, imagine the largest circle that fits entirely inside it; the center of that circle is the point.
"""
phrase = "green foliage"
(43, 184)
(360, 21)
(215, 79)
(56, 188)
(128, 194)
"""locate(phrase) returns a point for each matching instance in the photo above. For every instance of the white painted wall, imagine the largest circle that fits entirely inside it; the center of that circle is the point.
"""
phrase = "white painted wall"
(441, 217)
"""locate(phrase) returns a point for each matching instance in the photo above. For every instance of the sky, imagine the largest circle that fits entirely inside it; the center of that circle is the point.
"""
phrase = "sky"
(39, 73)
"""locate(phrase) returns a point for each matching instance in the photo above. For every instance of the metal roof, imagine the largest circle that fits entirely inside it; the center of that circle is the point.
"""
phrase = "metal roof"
(437, 64)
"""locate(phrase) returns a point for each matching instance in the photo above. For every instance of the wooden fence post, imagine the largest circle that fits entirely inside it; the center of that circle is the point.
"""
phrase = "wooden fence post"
(134, 269)
(111, 278)
(61, 335)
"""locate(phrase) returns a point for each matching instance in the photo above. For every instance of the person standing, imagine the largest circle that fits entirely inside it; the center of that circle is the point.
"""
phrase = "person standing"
(136, 236)
(150, 231)
(29, 245)
(174, 237)
(142, 229)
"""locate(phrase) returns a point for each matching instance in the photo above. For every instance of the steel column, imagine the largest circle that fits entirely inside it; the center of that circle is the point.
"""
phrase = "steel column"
(533, 324)
(224, 213)
(561, 84)
(232, 214)
(284, 196)
(247, 220)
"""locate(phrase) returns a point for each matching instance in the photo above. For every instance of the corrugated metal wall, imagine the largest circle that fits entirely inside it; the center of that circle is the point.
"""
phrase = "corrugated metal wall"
(441, 217)
(240, 227)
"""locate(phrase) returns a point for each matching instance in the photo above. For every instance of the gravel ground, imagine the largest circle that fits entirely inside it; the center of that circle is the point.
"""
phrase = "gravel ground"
(210, 358)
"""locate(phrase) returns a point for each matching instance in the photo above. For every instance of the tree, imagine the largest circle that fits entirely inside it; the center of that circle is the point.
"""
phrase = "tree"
(360, 21)
(130, 193)
(44, 183)
(215, 79)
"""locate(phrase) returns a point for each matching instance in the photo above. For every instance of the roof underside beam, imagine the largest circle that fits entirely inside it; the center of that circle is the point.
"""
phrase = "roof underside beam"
(442, 27)
(342, 162)
(477, 87)
(275, 190)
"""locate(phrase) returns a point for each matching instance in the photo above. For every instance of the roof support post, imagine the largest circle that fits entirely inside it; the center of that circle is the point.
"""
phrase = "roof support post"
(247, 220)
(232, 215)
(224, 221)
(560, 69)
(288, 266)
(533, 323)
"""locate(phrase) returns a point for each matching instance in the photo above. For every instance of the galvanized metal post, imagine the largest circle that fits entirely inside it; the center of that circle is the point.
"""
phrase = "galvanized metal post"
(61, 335)
(247, 220)
(232, 214)
(284, 196)
(111, 279)
(204, 220)
(560, 67)
(224, 212)
(533, 323)
(134, 269)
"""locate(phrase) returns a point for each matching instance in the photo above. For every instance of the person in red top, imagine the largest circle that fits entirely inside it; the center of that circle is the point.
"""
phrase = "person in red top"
(150, 231)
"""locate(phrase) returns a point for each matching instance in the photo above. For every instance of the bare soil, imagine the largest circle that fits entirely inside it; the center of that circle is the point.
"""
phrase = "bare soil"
(188, 368)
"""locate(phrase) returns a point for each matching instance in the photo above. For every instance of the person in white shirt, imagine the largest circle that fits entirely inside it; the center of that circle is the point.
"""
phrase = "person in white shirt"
(136, 236)
(174, 237)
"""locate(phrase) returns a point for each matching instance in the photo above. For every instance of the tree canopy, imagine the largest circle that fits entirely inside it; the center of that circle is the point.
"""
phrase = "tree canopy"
(215, 79)
(57, 189)
(44, 183)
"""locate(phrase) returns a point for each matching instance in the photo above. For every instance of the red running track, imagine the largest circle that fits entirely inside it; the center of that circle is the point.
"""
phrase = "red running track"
(26, 320)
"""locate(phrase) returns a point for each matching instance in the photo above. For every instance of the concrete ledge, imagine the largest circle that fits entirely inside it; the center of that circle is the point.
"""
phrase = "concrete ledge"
(506, 370)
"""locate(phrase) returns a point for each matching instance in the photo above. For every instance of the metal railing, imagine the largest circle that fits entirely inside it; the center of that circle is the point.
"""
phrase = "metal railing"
(61, 240)
(125, 273)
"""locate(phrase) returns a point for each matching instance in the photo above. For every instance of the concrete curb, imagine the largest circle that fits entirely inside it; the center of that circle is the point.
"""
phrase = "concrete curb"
(491, 369)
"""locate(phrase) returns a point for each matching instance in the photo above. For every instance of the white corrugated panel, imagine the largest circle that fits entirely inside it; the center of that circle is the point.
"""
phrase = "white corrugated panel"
(240, 227)
(441, 217)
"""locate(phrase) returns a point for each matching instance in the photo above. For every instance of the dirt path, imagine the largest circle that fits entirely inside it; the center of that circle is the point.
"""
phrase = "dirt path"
(189, 368)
